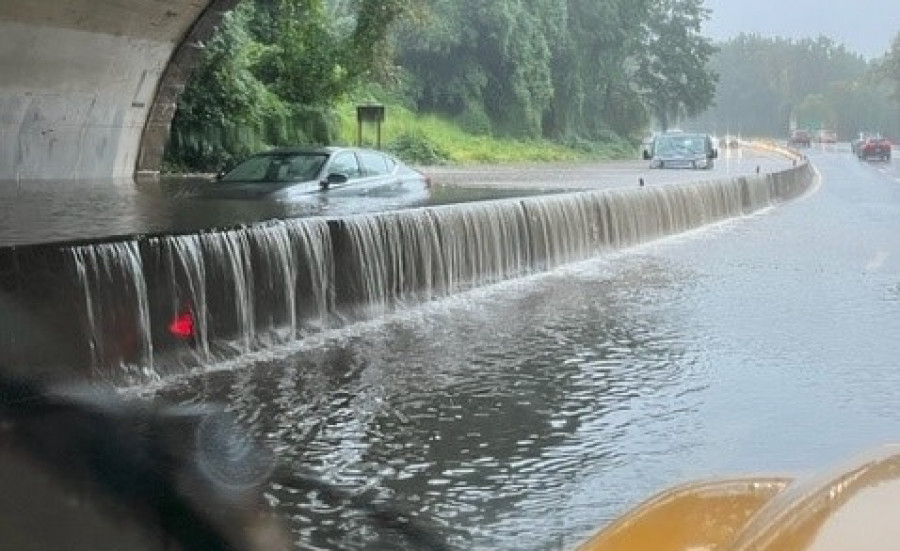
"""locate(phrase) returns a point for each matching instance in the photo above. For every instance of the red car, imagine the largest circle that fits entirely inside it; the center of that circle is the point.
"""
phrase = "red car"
(874, 148)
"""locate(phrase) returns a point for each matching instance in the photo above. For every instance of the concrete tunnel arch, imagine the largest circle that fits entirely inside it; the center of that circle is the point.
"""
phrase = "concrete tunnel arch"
(89, 87)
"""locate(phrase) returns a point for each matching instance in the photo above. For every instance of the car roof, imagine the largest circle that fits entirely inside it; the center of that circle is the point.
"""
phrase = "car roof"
(327, 150)
(680, 135)
(324, 150)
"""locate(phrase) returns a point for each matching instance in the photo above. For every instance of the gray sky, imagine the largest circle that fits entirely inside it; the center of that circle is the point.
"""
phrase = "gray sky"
(864, 26)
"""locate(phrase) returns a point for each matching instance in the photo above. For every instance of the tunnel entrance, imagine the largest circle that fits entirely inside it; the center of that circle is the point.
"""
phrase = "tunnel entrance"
(90, 86)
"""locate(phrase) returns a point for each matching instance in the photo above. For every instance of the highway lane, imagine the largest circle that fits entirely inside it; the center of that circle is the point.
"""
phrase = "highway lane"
(587, 175)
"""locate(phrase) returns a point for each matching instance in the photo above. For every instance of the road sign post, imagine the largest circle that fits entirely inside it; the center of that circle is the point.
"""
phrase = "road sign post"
(369, 113)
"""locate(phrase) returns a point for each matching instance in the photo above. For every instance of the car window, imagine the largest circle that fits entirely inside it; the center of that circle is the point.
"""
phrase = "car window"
(303, 167)
(679, 145)
(279, 167)
(374, 163)
(253, 169)
(345, 163)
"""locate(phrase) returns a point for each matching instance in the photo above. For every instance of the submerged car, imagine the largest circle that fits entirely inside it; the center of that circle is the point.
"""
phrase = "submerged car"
(682, 150)
(291, 173)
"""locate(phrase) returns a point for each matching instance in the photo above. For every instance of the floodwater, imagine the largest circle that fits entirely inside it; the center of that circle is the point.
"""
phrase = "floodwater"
(41, 212)
(528, 414)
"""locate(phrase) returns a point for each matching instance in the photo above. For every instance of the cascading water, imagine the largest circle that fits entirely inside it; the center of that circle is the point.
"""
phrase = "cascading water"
(124, 315)
(147, 307)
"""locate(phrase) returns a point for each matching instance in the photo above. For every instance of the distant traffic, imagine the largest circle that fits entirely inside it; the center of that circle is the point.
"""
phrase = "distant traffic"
(867, 146)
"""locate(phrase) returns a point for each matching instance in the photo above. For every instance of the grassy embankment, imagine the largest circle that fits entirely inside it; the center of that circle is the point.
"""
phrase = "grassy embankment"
(428, 139)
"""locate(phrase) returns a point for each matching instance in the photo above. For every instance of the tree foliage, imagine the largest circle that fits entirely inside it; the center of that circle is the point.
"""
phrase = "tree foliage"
(768, 84)
(673, 74)
(890, 68)
(573, 69)
(481, 61)
(273, 73)
(570, 70)
(225, 110)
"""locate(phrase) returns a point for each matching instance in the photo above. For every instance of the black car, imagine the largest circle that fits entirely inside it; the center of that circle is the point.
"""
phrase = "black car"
(292, 173)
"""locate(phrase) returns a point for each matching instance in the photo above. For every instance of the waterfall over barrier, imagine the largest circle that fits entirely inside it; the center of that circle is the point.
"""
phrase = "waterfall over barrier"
(142, 308)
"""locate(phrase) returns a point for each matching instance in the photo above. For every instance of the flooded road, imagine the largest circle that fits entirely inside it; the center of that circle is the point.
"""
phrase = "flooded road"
(731, 162)
(528, 414)
(41, 212)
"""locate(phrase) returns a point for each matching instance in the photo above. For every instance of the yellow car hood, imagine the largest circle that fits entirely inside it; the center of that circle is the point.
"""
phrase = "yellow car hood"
(850, 508)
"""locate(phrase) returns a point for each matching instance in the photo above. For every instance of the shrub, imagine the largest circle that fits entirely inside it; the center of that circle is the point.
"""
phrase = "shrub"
(415, 147)
(474, 121)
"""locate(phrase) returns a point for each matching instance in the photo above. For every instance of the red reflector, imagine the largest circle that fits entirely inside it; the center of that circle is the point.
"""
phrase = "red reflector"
(182, 326)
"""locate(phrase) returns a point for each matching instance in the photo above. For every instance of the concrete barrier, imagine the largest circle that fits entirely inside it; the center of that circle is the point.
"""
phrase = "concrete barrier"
(105, 309)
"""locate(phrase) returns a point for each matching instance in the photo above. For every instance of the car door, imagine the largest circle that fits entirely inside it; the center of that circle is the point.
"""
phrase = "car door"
(379, 171)
(344, 163)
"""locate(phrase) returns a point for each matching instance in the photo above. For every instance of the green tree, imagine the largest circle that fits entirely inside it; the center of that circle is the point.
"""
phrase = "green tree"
(766, 83)
(273, 73)
(562, 70)
(485, 59)
(816, 111)
(225, 110)
(673, 72)
(607, 42)
(891, 66)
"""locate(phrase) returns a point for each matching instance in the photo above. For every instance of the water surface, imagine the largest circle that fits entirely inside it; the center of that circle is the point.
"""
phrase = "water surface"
(528, 414)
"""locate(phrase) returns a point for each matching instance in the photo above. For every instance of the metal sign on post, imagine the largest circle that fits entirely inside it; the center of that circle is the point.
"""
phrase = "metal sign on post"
(369, 113)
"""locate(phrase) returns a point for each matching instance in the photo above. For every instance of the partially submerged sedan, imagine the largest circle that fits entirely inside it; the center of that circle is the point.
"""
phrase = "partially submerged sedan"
(292, 173)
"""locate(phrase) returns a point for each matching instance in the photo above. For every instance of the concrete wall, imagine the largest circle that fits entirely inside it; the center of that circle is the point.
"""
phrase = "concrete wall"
(102, 310)
(88, 87)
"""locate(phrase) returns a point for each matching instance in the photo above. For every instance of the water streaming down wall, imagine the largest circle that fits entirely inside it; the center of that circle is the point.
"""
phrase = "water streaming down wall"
(146, 307)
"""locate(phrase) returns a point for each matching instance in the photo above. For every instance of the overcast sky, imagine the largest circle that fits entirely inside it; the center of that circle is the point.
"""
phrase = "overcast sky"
(864, 26)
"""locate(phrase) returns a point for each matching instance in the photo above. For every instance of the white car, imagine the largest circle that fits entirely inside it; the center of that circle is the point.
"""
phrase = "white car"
(292, 173)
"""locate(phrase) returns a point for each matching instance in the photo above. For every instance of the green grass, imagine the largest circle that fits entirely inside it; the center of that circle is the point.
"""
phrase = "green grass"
(407, 134)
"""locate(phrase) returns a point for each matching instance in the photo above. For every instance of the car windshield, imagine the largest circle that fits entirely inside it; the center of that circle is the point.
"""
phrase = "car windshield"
(278, 167)
(680, 145)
